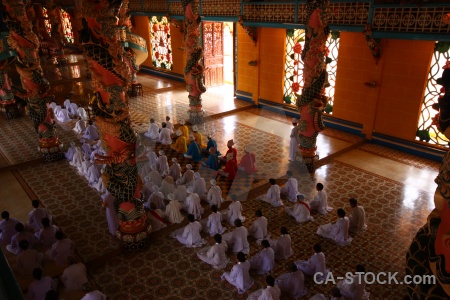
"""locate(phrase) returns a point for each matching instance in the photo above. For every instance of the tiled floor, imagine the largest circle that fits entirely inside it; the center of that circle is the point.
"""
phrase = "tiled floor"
(396, 190)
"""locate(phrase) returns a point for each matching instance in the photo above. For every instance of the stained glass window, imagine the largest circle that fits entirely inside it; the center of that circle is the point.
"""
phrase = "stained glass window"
(48, 25)
(160, 39)
(293, 79)
(66, 26)
(426, 131)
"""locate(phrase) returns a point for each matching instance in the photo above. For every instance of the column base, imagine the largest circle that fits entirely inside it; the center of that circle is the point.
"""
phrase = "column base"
(135, 241)
(308, 161)
(196, 117)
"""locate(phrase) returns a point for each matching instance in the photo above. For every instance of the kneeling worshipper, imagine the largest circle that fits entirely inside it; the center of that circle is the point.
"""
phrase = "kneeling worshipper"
(258, 230)
(52, 105)
(56, 110)
(169, 124)
(7, 228)
(156, 219)
(63, 116)
(190, 235)
(320, 201)
(111, 215)
(100, 186)
(335, 295)
(154, 176)
(41, 285)
(93, 173)
(86, 148)
(155, 200)
(357, 217)
(162, 165)
(175, 170)
(21, 234)
(315, 264)
(36, 215)
(173, 213)
(46, 235)
(199, 186)
(180, 193)
(214, 196)
(248, 162)
(290, 190)
(214, 223)
(188, 177)
(215, 255)
(239, 276)
(73, 110)
(164, 135)
(212, 144)
(152, 157)
(213, 160)
(77, 159)
(271, 292)
(198, 137)
(85, 166)
(184, 129)
(300, 211)
(71, 151)
(91, 132)
(28, 259)
(181, 143)
(235, 210)
(153, 130)
(338, 231)
(230, 160)
(282, 247)
(67, 102)
(273, 195)
(167, 186)
(237, 239)
(61, 249)
(264, 261)
(74, 276)
(356, 289)
(292, 283)
(193, 150)
(192, 204)
(80, 126)
(81, 112)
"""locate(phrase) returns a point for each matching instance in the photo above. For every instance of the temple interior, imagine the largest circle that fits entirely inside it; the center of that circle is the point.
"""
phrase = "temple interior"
(370, 150)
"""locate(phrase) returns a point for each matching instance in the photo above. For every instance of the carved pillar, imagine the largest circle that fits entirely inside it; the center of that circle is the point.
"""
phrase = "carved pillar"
(313, 101)
(110, 80)
(194, 71)
(58, 40)
(23, 40)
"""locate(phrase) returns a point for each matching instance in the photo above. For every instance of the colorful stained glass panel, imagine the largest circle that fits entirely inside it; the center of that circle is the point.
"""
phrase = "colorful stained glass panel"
(48, 25)
(161, 43)
(67, 26)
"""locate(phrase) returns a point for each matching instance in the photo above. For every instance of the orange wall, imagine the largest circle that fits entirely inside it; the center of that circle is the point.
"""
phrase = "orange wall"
(247, 75)
(178, 53)
(392, 107)
(142, 28)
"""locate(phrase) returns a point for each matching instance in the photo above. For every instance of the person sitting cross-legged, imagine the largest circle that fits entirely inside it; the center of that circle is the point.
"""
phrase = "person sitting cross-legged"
(61, 249)
(215, 255)
(283, 246)
(28, 259)
(164, 135)
(320, 201)
(153, 130)
(180, 144)
(248, 162)
(190, 234)
(237, 239)
(356, 288)
(40, 286)
(74, 276)
(273, 195)
(36, 215)
(213, 160)
(300, 211)
(258, 230)
(292, 283)
(235, 210)
(271, 292)
(214, 196)
(338, 231)
(193, 150)
(214, 223)
(264, 261)
(315, 264)
(357, 217)
(290, 190)
(239, 275)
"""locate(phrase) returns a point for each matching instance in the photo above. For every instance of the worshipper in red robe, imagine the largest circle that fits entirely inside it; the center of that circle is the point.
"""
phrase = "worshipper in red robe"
(247, 164)
(231, 161)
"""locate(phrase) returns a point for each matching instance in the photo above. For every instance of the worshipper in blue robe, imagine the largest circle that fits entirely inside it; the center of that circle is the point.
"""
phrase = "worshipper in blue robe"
(193, 150)
(212, 143)
(213, 160)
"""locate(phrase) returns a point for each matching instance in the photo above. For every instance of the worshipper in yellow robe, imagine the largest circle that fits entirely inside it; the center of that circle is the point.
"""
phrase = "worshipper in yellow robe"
(199, 137)
(180, 144)
(184, 129)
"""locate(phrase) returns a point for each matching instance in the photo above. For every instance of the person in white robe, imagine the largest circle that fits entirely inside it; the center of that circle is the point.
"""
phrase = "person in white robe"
(100, 186)
(188, 177)
(180, 193)
(292, 283)
(235, 210)
(357, 217)
(52, 105)
(258, 229)
(214, 196)
(301, 211)
(169, 124)
(273, 195)
(156, 199)
(93, 173)
(290, 190)
(82, 113)
(162, 165)
(111, 215)
(63, 116)
(74, 276)
(237, 239)
(264, 261)
(36, 215)
(91, 132)
(354, 289)
(86, 148)
(154, 176)
(70, 152)
(190, 235)
(320, 201)
(199, 186)
(283, 246)
(152, 157)
(167, 186)
(239, 276)
(40, 286)
(214, 223)
(173, 213)
(315, 264)
(153, 130)
(94, 295)
(293, 144)
(164, 135)
(338, 231)
(85, 166)
(46, 235)
(28, 259)
(73, 110)
(21, 234)
(61, 249)
(156, 219)
(56, 110)
(192, 204)
(80, 126)
(67, 103)
(77, 158)
(215, 255)
(175, 169)
(7, 228)
(271, 292)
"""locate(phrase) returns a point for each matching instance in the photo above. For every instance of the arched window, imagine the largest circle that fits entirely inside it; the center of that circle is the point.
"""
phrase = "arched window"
(48, 25)
(160, 39)
(293, 78)
(426, 131)
(66, 26)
